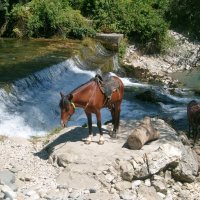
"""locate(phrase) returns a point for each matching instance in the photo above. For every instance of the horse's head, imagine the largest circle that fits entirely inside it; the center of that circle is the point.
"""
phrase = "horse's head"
(67, 108)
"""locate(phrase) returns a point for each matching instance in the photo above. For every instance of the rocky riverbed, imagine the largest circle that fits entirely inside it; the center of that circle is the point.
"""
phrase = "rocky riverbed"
(63, 167)
(184, 55)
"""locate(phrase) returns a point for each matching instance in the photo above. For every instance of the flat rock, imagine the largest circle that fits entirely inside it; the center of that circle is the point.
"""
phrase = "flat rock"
(77, 181)
(69, 150)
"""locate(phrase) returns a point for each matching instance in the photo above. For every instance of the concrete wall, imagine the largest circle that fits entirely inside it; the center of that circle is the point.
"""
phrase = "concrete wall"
(110, 40)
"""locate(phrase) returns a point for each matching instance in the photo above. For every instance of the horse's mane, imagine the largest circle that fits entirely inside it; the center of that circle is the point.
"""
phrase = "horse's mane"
(73, 91)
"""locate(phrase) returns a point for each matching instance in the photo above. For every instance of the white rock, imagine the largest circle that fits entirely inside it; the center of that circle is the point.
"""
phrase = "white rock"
(136, 183)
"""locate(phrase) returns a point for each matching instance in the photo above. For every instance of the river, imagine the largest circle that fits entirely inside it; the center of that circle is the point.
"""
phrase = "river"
(33, 72)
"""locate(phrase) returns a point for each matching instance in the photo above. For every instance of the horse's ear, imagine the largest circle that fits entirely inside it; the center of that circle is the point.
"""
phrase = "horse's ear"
(70, 97)
(62, 95)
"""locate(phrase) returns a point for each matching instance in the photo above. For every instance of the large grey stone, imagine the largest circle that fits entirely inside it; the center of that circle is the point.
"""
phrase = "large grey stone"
(147, 193)
(77, 181)
(187, 169)
(7, 177)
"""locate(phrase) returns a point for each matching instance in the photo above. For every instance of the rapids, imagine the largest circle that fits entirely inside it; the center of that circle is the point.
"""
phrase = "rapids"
(30, 106)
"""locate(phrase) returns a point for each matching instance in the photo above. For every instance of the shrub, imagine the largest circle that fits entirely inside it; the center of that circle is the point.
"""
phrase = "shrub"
(141, 20)
(184, 15)
(122, 48)
(50, 17)
(19, 17)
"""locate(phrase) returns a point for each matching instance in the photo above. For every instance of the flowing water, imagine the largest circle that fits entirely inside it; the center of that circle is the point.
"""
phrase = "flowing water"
(29, 99)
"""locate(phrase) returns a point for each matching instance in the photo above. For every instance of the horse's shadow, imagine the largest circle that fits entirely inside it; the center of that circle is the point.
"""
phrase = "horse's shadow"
(74, 135)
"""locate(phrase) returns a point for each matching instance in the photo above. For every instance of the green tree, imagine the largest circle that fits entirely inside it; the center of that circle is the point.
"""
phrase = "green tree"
(139, 19)
(184, 15)
(47, 18)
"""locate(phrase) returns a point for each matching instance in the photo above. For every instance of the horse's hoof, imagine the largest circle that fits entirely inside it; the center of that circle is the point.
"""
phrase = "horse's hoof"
(113, 135)
(101, 142)
(87, 142)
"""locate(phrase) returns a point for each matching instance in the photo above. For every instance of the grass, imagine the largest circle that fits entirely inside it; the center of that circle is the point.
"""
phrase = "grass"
(3, 138)
(45, 139)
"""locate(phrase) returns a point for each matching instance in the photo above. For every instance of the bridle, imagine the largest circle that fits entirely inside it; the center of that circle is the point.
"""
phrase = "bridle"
(74, 108)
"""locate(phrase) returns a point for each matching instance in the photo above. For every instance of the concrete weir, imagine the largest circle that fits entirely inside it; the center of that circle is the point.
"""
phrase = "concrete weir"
(110, 40)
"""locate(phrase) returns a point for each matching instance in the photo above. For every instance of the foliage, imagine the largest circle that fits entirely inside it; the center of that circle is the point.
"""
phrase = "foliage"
(76, 4)
(148, 25)
(3, 138)
(122, 48)
(146, 21)
(185, 16)
(3, 11)
(50, 17)
(138, 19)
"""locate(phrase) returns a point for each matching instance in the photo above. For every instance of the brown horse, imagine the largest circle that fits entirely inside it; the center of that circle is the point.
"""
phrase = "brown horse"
(193, 113)
(91, 97)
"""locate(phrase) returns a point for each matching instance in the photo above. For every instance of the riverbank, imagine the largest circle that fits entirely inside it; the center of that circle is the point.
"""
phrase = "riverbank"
(184, 55)
(63, 167)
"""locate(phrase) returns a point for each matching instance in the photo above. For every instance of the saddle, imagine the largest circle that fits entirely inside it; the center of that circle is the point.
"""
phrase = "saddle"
(107, 85)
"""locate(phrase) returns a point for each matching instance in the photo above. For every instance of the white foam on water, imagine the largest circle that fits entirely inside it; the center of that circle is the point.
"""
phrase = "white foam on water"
(128, 82)
(31, 108)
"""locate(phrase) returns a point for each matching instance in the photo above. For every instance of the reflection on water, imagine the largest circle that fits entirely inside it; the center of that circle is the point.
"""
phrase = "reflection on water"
(19, 58)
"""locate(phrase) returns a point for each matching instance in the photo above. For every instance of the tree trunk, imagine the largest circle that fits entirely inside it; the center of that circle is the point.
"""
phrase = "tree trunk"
(3, 28)
(142, 134)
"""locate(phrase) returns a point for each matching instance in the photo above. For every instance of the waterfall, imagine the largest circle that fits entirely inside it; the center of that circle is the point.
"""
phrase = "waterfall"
(31, 105)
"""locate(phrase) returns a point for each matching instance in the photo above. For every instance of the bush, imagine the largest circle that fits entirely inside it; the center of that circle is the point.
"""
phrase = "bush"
(146, 21)
(122, 48)
(141, 20)
(184, 15)
(50, 17)
(149, 27)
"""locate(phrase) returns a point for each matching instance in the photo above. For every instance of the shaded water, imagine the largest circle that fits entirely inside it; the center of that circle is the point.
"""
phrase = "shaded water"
(19, 58)
(30, 106)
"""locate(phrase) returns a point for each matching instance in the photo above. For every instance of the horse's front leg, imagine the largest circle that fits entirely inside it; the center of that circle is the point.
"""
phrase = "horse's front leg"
(98, 115)
(89, 118)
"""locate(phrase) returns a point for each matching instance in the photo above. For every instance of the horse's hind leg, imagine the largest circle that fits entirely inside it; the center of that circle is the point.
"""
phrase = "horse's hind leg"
(196, 132)
(113, 114)
(89, 118)
(189, 129)
(117, 110)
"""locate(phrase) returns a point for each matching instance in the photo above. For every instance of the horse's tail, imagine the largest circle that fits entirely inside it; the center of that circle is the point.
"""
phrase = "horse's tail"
(193, 113)
(192, 108)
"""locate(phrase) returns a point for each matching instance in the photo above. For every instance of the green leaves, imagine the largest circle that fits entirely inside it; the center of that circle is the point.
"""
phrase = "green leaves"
(185, 16)
(47, 18)
(142, 20)
(145, 21)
